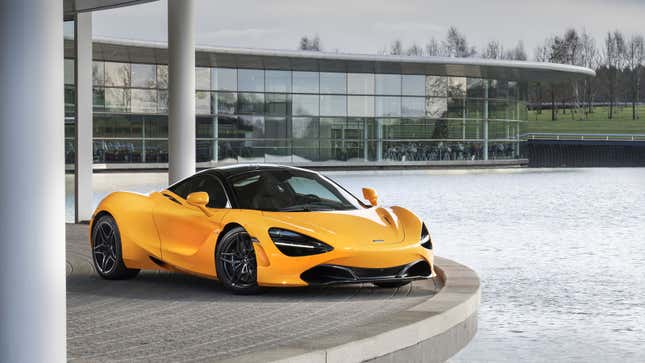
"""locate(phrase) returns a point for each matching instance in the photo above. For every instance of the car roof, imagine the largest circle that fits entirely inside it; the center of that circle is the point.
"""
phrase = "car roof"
(230, 171)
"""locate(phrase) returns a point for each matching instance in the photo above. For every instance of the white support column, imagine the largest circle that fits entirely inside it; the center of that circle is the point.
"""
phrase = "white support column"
(181, 89)
(32, 182)
(485, 121)
(84, 131)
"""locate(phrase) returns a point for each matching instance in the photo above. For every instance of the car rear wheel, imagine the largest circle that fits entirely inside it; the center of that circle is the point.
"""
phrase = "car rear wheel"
(391, 284)
(106, 250)
(235, 262)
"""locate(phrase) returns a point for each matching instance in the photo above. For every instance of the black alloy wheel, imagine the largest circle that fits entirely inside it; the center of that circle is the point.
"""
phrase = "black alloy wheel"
(106, 250)
(235, 262)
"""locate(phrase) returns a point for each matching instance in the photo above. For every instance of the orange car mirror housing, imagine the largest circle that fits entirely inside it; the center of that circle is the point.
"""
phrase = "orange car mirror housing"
(199, 200)
(370, 195)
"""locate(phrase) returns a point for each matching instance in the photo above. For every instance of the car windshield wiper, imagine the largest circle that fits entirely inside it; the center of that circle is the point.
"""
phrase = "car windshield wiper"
(304, 208)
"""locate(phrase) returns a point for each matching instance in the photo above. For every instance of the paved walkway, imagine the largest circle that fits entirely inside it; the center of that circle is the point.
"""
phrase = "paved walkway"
(163, 316)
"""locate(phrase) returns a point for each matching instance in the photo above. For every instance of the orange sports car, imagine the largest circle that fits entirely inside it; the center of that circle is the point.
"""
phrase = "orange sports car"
(251, 226)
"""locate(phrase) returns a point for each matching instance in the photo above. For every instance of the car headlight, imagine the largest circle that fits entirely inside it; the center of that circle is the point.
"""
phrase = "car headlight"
(295, 244)
(426, 241)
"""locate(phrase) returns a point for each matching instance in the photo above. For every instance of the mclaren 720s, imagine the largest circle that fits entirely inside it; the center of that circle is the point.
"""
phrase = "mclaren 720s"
(251, 226)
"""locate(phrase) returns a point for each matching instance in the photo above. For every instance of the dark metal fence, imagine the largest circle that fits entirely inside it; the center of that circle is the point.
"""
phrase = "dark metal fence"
(585, 150)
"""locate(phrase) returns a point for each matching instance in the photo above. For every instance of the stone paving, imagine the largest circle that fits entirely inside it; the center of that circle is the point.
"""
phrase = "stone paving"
(162, 316)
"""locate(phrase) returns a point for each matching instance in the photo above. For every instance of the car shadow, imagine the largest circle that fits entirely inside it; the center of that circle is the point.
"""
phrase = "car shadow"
(170, 286)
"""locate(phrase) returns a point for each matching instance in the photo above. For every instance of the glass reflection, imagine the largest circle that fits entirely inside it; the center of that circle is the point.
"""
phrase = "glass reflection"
(388, 106)
(388, 84)
(224, 79)
(305, 105)
(144, 75)
(413, 85)
(224, 103)
(144, 101)
(360, 83)
(202, 78)
(278, 81)
(331, 105)
(251, 80)
(117, 74)
(333, 82)
(360, 106)
(305, 82)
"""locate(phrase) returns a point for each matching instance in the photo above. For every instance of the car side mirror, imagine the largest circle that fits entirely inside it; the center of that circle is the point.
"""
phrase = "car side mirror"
(370, 195)
(199, 200)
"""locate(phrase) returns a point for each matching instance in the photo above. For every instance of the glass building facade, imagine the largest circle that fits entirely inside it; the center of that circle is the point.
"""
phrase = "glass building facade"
(267, 115)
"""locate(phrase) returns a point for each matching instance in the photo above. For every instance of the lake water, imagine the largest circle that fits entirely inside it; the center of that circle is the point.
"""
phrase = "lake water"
(560, 253)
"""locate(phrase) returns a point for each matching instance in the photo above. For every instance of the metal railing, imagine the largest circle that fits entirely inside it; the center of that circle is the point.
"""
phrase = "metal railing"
(582, 137)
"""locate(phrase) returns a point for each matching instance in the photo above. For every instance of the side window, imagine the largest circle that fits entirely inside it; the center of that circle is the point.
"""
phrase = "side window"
(203, 183)
(185, 187)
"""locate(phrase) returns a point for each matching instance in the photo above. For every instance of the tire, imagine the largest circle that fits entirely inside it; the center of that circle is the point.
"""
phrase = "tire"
(391, 284)
(235, 262)
(106, 250)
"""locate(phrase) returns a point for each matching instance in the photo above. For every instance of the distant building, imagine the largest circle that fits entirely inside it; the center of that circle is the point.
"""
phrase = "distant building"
(308, 107)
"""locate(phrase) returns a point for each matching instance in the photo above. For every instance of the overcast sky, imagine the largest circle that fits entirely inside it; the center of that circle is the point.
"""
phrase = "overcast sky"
(366, 26)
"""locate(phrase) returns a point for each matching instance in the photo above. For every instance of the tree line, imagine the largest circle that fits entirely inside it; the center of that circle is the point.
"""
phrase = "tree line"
(618, 59)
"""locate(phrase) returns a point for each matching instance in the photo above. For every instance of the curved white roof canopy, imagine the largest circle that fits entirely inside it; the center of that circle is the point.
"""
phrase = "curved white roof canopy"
(147, 52)
(78, 6)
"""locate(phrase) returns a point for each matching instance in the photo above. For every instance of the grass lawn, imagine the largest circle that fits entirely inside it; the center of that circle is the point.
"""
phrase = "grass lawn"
(598, 122)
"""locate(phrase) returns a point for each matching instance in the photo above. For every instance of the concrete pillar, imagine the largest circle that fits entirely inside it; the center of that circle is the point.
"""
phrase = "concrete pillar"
(485, 119)
(32, 182)
(84, 131)
(181, 89)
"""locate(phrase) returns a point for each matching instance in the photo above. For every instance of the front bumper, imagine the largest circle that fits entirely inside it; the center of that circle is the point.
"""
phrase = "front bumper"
(326, 274)
(372, 263)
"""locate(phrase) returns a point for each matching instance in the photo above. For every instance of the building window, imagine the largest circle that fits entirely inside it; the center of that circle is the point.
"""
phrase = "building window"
(278, 81)
(360, 83)
(117, 74)
(250, 80)
(388, 106)
(360, 106)
(225, 79)
(332, 105)
(144, 100)
(333, 82)
(144, 75)
(202, 78)
(305, 105)
(388, 84)
(413, 85)
(305, 82)
(224, 103)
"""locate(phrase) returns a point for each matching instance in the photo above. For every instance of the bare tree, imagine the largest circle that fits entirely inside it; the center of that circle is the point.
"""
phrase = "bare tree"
(494, 50)
(589, 58)
(456, 45)
(433, 48)
(516, 53)
(396, 48)
(312, 44)
(614, 60)
(415, 50)
(635, 58)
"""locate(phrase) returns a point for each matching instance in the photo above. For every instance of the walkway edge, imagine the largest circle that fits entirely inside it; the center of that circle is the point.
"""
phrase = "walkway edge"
(432, 331)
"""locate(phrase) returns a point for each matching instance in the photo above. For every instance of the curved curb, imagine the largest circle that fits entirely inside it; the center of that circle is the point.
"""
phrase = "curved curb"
(432, 331)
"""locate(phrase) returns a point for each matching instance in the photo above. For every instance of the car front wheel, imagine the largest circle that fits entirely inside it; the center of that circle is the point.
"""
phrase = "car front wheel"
(235, 262)
(106, 250)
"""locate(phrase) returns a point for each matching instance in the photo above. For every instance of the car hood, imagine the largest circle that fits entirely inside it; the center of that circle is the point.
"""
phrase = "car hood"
(360, 226)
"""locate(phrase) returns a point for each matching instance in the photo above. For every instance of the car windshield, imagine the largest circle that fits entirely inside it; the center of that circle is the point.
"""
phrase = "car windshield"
(290, 191)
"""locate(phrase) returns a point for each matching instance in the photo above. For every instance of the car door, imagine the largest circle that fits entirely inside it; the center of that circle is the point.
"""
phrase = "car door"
(186, 233)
